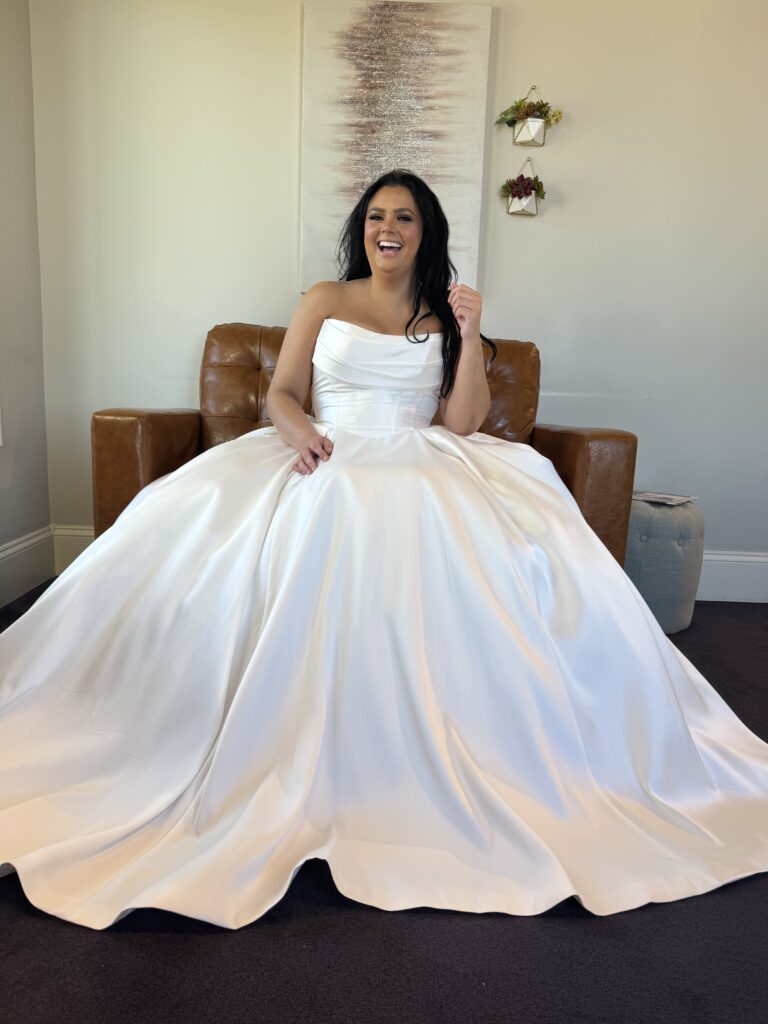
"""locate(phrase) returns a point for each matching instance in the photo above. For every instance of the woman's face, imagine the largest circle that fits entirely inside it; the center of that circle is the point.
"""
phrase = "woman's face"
(393, 230)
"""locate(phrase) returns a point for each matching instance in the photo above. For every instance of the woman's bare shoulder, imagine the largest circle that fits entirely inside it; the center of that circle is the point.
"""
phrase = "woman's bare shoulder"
(322, 296)
(333, 298)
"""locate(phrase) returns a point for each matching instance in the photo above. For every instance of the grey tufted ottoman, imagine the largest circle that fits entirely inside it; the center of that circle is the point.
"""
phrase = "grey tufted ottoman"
(665, 547)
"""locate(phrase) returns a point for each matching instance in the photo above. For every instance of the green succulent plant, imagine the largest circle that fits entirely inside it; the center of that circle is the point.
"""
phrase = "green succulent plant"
(525, 108)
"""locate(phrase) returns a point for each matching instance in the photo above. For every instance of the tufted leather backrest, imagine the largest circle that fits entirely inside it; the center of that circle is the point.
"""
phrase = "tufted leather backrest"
(513, 379)
(239, 360)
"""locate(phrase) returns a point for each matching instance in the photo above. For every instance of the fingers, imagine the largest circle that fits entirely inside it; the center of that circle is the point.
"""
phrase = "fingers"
(317, 450)
(462, 293)
(464, 301)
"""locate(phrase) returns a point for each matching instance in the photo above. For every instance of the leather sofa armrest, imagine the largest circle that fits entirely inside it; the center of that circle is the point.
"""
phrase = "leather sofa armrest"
(132, 447)
(597, 465)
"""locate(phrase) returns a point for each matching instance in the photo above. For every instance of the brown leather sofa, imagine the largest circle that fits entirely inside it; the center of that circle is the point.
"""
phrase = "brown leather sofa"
(132, 447)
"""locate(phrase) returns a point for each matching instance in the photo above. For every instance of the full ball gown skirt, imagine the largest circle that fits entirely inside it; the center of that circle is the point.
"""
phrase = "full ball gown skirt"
(418, 663)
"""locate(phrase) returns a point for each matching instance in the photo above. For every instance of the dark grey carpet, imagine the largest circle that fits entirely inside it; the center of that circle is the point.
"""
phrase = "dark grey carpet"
(319, 958)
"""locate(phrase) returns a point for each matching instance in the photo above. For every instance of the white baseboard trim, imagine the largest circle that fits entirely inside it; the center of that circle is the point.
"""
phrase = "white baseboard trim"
(25, 563)
(734, 576)
(69, 542)
(30, 560)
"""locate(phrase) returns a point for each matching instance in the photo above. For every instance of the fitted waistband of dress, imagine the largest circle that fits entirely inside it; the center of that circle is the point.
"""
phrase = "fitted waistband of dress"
(376, 411)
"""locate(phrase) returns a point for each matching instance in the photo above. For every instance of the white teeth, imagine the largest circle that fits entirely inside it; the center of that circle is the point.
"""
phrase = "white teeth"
(390, 245)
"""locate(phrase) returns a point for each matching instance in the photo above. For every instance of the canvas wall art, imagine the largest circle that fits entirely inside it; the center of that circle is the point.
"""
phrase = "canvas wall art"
(390, 84)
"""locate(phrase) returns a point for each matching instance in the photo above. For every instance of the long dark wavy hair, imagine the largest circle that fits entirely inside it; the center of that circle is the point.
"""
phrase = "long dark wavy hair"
(434, 269)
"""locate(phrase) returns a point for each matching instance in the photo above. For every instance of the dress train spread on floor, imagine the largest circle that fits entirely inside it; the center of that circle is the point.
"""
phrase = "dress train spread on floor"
(418, 663)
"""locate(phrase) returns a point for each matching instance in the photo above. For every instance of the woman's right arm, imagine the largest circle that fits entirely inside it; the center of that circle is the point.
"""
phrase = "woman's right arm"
(293, 375)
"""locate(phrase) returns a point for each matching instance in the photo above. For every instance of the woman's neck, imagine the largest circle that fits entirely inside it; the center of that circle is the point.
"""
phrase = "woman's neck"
(391, 292)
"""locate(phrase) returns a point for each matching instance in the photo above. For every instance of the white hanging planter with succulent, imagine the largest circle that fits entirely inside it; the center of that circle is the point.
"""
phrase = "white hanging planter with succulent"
(525, 192)
(529, 119)
(532, 131)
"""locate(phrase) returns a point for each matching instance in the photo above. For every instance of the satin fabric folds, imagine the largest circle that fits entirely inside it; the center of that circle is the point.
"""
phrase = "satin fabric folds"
(418, 663)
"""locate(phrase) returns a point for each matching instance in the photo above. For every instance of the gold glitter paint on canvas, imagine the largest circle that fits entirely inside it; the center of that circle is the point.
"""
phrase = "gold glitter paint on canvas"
(391, 84)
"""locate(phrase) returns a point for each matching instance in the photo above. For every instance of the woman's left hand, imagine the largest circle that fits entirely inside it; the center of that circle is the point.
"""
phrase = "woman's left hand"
(467, 305)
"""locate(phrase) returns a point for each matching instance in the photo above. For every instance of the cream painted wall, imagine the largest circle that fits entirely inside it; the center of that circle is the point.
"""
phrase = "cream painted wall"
(168, 136)
(26, 548)
(168, 140)
(644, 281)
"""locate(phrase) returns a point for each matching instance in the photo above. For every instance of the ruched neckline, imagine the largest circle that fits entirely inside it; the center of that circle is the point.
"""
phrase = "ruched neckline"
(370, 381)
(376, 334)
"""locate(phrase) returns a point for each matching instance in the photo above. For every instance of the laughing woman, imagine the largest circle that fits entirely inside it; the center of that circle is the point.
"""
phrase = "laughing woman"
(359, 636)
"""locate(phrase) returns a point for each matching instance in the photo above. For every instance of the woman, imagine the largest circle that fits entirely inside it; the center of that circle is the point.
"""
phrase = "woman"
(395, 646)
(397, 279)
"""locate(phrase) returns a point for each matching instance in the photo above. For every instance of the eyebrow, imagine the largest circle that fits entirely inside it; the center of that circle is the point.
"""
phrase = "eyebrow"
(380, 209)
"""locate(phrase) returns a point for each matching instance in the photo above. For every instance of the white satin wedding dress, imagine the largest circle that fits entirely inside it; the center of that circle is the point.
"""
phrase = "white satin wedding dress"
(418, 663)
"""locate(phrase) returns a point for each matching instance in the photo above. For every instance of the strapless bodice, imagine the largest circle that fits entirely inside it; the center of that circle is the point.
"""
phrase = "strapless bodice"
(374, 382)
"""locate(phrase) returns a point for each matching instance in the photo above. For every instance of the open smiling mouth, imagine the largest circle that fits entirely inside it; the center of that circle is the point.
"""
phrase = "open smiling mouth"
(389, 247)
